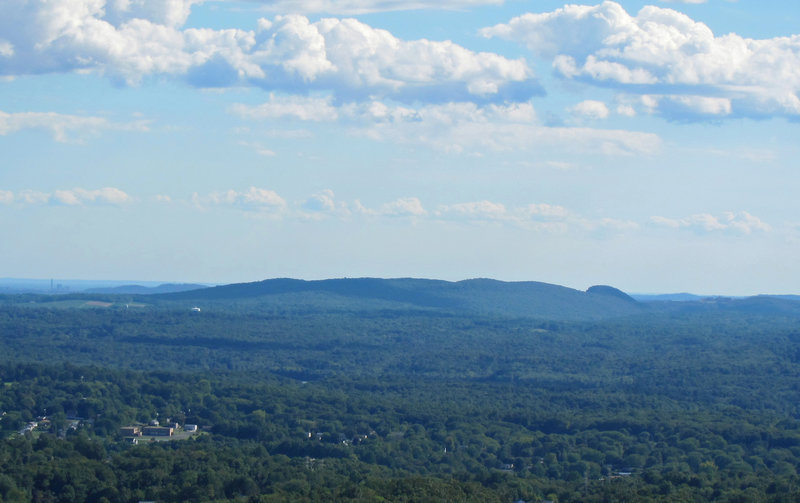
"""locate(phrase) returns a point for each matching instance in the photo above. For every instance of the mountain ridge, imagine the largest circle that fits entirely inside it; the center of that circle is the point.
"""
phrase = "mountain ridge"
(478, 295)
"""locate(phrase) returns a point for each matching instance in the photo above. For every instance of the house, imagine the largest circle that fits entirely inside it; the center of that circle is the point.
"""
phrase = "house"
(190, 427)
(130, 431)
(158, 431)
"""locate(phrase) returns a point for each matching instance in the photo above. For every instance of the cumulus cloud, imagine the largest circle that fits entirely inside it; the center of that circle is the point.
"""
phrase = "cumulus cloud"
(323, 204)
(590, 109)
(626, 110)
(741, 223)
(68, 197)
(364, 6)
(129, 40)
(663, 52)
(63, 127)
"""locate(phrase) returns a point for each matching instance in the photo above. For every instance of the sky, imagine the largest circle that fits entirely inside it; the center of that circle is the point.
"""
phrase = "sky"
(651, 146)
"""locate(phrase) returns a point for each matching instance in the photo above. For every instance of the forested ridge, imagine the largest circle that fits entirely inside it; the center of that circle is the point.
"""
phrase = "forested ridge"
(381, 402)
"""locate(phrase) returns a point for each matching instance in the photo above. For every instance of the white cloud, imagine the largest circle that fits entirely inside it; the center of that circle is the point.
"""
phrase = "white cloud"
(33, 197)
(133, 39)
(680, 107)
(664, 52)
(590, 109)
(746, 223)
(106, 195)
(304, 108)
(469, 128)
(475, 210)
(254, 199)
(541, 217)
(6, 197)
(6, 49)
(618, 225)
(741, 223)
(350, 7)
(166, 12)
(626, 110)
(67, 197)
(544, 211)
(323, 202)
(62, 126)
(403, 207)
(70, 197)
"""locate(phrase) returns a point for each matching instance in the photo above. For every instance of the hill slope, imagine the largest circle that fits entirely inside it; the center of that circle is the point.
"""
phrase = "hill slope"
(528, 299)
(146, 290)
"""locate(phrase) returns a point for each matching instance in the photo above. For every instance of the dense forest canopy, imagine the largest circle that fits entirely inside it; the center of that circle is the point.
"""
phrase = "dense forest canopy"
(406, 390)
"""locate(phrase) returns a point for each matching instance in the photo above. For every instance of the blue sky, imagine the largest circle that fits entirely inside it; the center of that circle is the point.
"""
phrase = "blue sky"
(647, 145)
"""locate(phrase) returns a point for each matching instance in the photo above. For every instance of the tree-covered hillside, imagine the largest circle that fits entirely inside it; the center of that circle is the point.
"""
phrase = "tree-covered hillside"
(476, 296)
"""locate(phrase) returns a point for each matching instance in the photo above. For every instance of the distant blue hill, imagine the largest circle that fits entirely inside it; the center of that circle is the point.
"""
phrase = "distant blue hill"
(689, 297)
(147, 290)
(795, 298)
(482, 296)
(474, 296)
(667, 297)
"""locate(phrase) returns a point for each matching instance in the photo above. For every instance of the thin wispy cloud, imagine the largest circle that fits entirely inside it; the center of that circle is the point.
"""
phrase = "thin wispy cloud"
(535, 216)
(741, 222)
(64, 127)
(67, 197)
(254, 199)
(462, 127)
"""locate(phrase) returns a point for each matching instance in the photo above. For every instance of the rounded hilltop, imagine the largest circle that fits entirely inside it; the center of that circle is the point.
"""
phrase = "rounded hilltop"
(610, 291)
